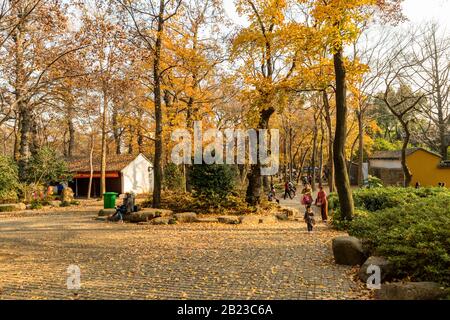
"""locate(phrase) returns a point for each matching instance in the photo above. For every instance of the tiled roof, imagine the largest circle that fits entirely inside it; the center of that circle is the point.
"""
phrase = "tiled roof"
(113, 162)
(397, 154)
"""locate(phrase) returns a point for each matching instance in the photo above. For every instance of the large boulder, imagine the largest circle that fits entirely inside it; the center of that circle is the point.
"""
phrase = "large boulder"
(106, 212)
(248, 220)
(229, 220)
(186, 217)
(12, 207)
(384, 265)
(163, 221)
(411, 291)
(157, 212)
(142, 216)
(348, 251)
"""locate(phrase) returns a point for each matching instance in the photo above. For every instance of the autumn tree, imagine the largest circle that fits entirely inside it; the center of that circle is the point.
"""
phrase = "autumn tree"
(339, 24)
(258, 46)
(34, 48)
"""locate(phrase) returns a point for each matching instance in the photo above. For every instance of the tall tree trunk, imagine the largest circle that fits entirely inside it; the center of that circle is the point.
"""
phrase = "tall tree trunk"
(285, 151)
(361, 148)
(253, 194)
(302, 164)
(190, 125)
(17, 130)
(407, 176)
(104, 142)
(35, 145)
(140, 136)
(342, 179)
(19, 91)
(322, 139)
(116, 131)
(130, 140)
(291, 158)
(91, 167)
(71, 128)
(314, 155)
(331, 170)
(158, 109)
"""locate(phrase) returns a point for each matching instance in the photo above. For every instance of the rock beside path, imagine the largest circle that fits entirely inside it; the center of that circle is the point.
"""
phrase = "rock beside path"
(348, 251)
(186, 217)
(411, 291)
(229, 220)
(384, 265)
(163, 221)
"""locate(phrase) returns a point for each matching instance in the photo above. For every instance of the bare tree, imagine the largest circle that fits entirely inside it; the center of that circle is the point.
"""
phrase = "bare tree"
(402, 95)
(433, 70)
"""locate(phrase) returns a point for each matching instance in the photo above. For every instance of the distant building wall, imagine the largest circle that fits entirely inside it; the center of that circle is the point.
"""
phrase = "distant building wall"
(425, 168)
(137, 177)
(389, 177)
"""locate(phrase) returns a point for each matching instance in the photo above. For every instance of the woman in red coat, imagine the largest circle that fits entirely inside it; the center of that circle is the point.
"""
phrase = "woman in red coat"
(322, 203)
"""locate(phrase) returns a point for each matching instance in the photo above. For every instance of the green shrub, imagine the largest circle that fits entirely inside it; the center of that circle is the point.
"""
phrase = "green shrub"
(383, 198)
(173, 177)
(9, 180)
(187, 202)
(46, 168)
(374, 182)
(415, 237)
(212, 183)
(36, 205)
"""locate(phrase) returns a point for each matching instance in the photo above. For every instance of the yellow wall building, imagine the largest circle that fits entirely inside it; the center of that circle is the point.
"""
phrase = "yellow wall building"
(427, 168)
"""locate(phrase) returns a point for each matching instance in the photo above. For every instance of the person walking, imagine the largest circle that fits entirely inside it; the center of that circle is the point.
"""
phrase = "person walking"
(273, 194)
(307, 198)
(287, 190)
(322, 203)
(309, 219)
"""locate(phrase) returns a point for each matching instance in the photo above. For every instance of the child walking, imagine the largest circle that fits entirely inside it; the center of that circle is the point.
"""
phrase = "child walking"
(309, 218)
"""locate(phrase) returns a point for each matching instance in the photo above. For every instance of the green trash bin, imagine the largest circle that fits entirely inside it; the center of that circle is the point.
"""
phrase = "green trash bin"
(109, 200)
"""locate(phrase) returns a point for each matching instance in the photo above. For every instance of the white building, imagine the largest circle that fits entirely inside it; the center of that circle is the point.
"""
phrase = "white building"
(124, 173)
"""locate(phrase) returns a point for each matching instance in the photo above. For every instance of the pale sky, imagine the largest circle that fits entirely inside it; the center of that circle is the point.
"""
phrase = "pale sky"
(418, 11)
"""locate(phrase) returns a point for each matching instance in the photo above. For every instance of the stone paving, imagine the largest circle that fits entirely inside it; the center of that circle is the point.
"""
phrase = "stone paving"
(186, 261)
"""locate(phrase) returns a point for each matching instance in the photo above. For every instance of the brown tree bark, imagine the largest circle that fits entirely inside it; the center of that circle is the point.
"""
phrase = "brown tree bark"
(361, 148)
(17, 130)
(91, 167)
(157, 185)
(116, 131)
(71, 127)
(314, 154)
(342, 179)
(406, 172)
(19, 92)
(253, 195)
(331, 174)
(104, 142)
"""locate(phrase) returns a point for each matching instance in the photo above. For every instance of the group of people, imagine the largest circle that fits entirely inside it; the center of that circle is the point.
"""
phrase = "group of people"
(321, 202)
(307, 200)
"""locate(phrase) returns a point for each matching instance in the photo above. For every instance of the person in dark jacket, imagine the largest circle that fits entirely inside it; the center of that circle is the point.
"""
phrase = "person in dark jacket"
(309, 219)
